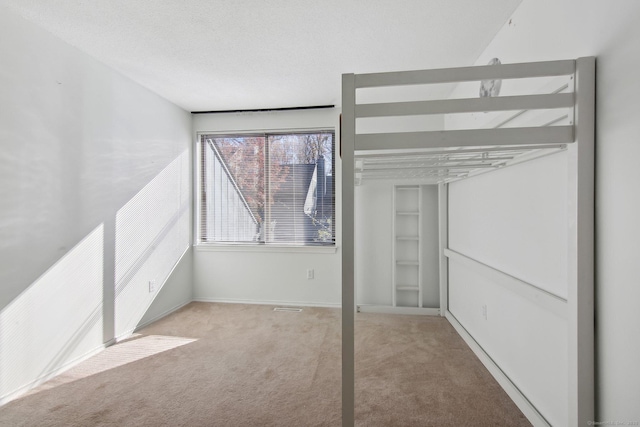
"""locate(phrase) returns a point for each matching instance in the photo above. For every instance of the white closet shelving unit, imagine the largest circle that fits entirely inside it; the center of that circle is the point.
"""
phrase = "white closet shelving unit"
(406, 249)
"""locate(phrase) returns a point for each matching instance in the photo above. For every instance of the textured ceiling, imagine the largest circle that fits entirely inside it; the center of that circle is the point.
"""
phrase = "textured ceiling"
(246, 54)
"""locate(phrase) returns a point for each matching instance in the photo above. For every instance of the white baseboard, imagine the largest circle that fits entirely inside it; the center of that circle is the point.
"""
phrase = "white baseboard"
(508, 386)
(386, 309)
(48, 375)
(269, 302)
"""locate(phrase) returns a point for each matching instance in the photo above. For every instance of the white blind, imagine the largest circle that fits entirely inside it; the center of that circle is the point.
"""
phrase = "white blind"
(268, 188)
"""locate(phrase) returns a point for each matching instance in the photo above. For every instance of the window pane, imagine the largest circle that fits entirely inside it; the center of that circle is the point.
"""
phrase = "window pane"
(301, 190)
(233, 188)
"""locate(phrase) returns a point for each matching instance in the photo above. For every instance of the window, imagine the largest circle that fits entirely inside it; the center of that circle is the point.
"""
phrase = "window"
(267, 188)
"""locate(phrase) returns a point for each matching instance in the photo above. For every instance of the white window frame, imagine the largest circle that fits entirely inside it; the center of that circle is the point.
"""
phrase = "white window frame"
(250, 246)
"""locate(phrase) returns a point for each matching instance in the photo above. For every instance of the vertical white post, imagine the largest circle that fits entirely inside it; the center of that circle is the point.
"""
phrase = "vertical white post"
(347, 144)
(443, 234)
(581, 250)
(443, 237)
(394, 244)
(420, 263)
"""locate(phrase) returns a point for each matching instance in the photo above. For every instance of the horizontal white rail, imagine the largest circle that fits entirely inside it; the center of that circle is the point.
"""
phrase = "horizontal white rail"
(541, 297)
(465, 138)
(391, 168)
(407, 262)
(467, 105)
(385, 154)
(408, 288)
(504, 120)
(466, 74)
(430, 159)
(385, 309)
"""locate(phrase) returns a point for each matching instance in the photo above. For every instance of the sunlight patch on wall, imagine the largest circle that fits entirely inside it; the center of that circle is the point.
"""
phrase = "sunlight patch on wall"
(152, 233)
(56, 321)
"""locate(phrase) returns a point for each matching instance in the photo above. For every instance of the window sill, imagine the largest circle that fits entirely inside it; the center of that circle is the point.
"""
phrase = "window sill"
(209, 247)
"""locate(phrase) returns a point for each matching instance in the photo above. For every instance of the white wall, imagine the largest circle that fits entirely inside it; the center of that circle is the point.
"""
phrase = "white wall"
(373, 233)
(373, 250)
(515, 220)
(152, 233)
(270, 275)
(176, 292)
(548, 30)
(86, 156)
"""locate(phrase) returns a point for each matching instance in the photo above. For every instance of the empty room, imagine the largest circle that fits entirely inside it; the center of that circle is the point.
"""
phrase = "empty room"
(377, 213)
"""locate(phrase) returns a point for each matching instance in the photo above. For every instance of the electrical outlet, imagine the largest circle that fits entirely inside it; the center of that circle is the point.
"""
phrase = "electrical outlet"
(152, 286)
(484, 311)
(310, 274)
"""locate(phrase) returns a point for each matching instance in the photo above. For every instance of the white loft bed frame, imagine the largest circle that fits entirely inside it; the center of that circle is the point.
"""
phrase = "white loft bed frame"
(439, 157)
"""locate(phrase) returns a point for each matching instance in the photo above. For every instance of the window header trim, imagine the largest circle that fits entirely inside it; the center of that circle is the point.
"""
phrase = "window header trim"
(265, 110)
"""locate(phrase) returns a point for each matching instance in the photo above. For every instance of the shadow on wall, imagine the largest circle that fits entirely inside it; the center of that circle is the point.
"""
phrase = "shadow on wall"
(59, 319)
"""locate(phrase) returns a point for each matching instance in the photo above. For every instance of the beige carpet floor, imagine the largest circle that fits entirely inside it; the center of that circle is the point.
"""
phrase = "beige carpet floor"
(245, 365)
